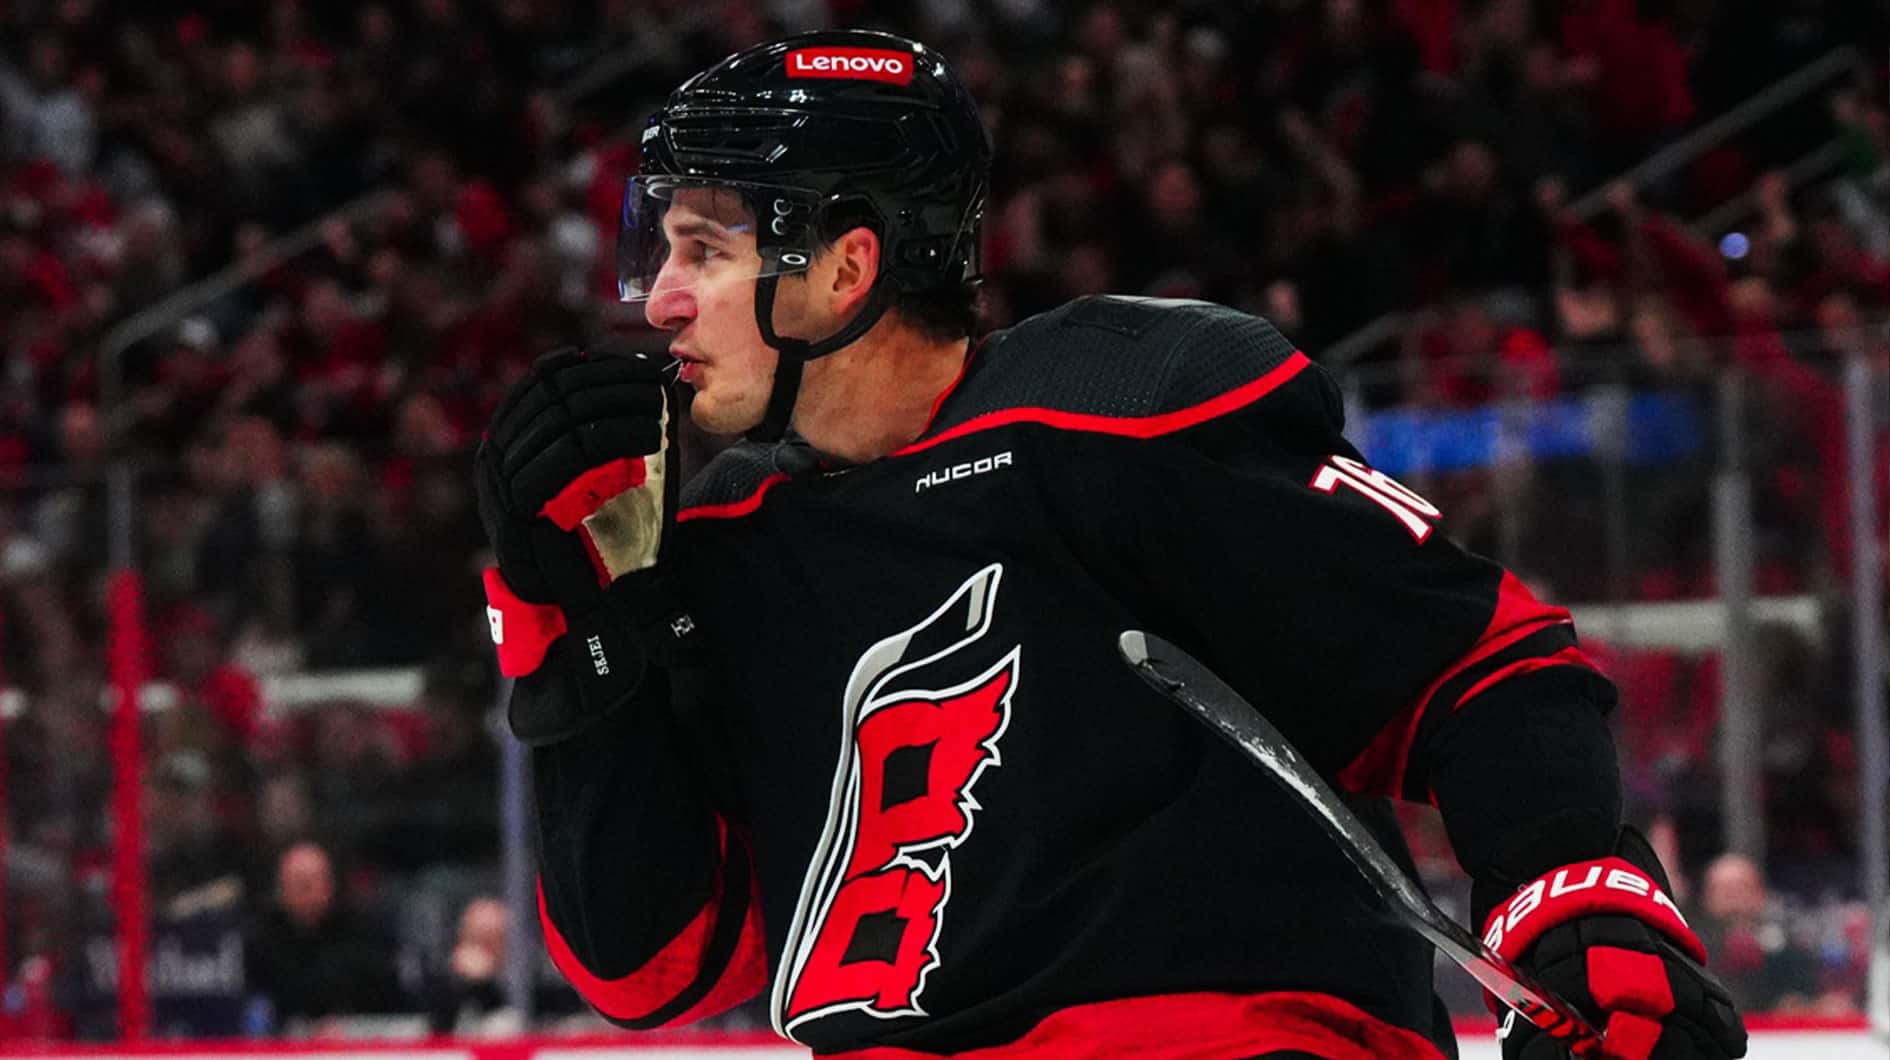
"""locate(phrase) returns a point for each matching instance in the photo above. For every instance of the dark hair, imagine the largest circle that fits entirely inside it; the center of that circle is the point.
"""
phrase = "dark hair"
(940, 314)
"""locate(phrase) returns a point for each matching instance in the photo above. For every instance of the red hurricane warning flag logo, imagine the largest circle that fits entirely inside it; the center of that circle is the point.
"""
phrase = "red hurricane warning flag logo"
(865, 932)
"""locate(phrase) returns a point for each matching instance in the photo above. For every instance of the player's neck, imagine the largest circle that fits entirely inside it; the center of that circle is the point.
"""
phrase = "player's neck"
(876, 395)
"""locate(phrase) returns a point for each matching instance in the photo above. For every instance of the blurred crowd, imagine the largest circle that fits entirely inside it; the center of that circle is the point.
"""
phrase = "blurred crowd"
(449, 172)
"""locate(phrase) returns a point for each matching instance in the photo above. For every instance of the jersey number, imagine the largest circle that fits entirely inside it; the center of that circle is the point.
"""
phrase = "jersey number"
(1381, 489)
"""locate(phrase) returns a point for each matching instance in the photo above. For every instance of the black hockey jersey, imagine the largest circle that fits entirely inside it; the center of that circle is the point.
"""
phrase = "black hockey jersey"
(915, 796)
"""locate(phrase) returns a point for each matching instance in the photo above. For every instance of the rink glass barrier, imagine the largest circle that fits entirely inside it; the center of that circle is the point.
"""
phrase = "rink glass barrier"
(1697, 522)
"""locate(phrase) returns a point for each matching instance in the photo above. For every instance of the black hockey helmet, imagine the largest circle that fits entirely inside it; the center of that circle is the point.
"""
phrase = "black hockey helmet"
(866, 122)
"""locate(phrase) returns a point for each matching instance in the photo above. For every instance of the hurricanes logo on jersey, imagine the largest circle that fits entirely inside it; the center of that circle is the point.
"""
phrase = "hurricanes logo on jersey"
(865, 932)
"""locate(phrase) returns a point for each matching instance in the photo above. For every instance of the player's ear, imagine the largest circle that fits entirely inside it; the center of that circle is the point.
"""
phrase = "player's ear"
(856, 261)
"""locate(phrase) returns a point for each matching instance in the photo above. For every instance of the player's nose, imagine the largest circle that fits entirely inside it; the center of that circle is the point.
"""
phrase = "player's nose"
(669, 307)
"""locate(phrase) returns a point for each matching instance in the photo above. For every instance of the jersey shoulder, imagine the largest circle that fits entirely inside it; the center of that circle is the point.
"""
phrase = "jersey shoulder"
(735, 476)
(1121, 359)
(1114, 364)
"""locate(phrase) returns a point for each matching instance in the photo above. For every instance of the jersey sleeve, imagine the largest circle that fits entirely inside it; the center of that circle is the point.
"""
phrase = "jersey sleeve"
(646, 891)
(1330, 595)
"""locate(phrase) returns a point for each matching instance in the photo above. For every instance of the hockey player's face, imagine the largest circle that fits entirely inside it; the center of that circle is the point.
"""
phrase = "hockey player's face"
(705, 297)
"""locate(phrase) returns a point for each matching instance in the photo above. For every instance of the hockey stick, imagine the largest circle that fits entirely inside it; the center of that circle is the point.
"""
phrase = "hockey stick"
(1183, 679)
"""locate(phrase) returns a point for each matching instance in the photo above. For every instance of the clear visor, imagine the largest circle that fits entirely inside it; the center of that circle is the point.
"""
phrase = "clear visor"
(677, 232)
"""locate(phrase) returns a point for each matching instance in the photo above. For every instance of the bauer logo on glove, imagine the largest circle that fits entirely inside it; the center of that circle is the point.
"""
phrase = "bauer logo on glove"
(1611, 879)
(1604, 935)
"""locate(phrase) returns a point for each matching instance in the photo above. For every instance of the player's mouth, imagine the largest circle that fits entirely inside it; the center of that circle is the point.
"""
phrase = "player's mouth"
(692, 365)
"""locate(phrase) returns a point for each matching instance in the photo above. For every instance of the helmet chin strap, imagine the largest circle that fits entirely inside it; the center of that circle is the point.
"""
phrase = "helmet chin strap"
(795, 353)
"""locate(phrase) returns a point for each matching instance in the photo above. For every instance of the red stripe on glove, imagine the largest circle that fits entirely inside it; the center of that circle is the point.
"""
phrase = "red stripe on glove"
(1630, 1037)
(521, 630)
(588, 492)
(1629, 981)
(1607, 886)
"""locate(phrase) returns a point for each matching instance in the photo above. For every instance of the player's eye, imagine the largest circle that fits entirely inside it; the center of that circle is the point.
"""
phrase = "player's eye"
(696, 252)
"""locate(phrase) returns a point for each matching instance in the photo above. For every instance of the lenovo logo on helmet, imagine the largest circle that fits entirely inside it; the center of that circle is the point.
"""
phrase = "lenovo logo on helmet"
(866, 64)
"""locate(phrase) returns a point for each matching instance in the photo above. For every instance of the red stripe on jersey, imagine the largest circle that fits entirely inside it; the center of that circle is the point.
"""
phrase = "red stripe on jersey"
(745, 976)
(1565, 657)
(1379, 769)
(1518, 614)
(733, 509)
(1201, 1027)
(963, 370)
(660, 979)
(1128, 426)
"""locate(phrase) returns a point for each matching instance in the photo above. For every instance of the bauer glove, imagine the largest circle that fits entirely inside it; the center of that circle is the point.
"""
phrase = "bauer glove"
(573, 494)
(1605, 936)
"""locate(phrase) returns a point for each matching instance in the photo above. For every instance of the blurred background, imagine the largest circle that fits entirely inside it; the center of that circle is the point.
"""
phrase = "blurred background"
(1607, 280)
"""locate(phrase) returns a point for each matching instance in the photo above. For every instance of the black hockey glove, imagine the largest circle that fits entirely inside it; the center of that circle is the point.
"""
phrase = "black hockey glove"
(573, 495)
(1604, 935)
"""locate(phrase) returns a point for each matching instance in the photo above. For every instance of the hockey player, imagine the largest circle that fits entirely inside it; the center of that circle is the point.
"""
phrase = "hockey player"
(847, 725)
